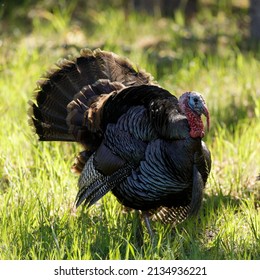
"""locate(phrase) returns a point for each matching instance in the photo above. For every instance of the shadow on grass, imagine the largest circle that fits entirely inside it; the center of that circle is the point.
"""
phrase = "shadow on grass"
(118, 236)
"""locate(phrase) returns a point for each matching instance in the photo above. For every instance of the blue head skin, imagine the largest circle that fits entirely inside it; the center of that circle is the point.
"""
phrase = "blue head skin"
(193, 105)
(197, 103)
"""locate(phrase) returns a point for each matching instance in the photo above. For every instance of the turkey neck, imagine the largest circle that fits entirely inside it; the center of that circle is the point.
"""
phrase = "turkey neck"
(195, 123)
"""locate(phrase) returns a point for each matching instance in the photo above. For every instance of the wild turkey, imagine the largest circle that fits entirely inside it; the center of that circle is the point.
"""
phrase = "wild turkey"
(140, 142)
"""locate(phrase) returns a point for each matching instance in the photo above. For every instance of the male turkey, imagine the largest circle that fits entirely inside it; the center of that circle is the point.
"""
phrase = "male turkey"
(140, 142)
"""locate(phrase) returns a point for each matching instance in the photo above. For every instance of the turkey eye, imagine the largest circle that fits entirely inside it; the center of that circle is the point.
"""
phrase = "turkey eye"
(195, 99)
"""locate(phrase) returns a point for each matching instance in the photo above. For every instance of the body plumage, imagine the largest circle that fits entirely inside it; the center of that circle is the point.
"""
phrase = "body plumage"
(140, 142)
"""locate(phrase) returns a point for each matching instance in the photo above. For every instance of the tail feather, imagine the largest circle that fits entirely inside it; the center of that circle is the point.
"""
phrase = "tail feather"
(50, 116)
(65, 94)
(68, 78)
(54, 133)
(90, 67)
(51, 89)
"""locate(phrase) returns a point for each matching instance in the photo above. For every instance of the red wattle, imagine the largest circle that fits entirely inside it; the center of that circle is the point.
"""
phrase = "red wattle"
(196, 124)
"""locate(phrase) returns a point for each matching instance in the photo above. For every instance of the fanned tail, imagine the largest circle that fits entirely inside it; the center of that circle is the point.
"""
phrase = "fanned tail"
(65, 94)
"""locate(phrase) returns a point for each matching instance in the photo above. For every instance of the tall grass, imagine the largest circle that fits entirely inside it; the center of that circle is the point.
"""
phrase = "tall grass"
(37, 189)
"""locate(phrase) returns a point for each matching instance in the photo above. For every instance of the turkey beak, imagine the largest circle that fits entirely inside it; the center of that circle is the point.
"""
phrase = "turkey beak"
(205, 112)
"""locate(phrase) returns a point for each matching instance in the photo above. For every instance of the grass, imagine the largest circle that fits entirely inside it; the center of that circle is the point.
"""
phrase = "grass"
(37, 190)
